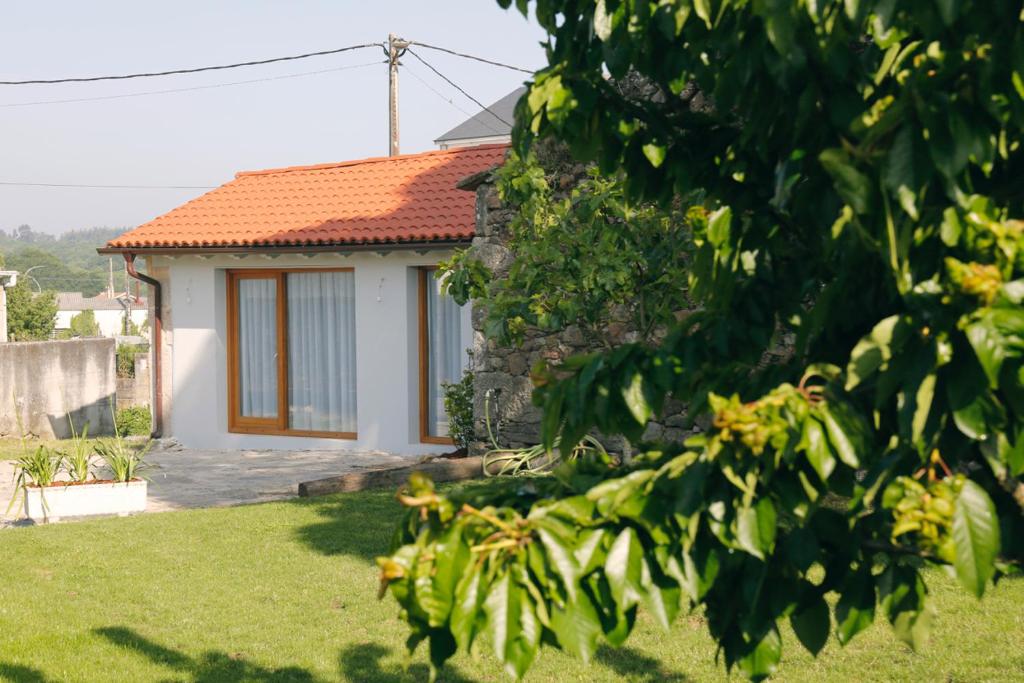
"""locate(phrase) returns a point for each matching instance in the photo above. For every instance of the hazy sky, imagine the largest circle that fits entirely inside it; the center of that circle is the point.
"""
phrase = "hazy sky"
(202, 137)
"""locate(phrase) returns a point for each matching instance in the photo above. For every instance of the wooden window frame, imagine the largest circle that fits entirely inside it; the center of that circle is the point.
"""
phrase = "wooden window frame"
(424, 352)
(268, 426)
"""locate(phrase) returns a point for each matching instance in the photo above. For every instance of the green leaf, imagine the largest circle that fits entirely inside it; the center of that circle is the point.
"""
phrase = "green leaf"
(562, 558)
(923, 405)
(602, 21)
(853, 186)
(655, 154)
(700, 567)
(764, 658)
(465, 619)
(841, 436)
(874, 350)
(812, 625)
(855, 610)
(903, 598)
(577, 626)
(703, 8)
(755, 528)
(514, 628)
(451, 557)
(624, 569)
(950, 231)
(718, 226)
(975, 537)
(989, 347)
(814, 445)
(636, 401)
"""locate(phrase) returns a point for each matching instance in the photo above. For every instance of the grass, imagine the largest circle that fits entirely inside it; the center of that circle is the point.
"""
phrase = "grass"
(287, 592)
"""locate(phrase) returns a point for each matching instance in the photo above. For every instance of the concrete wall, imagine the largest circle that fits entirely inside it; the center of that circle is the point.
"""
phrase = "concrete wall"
(195, 351)
(44, 382)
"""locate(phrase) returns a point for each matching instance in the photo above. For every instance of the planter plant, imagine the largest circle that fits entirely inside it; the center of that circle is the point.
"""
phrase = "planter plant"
(47, 496)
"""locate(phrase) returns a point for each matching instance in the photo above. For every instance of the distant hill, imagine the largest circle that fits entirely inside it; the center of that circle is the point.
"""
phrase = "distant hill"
(63, 263)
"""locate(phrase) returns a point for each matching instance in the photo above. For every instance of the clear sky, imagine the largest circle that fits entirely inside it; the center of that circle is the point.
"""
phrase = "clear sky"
(202, 137)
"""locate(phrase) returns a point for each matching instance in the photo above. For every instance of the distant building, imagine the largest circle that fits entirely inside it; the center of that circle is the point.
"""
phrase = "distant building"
(110, 311)
(490, 126)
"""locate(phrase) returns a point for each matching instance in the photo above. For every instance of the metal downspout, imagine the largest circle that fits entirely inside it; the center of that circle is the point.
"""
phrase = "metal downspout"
(156, 346)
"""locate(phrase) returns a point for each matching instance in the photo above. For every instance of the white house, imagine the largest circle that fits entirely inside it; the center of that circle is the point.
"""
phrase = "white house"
(492, 125)
(295, 308)
(109, 311)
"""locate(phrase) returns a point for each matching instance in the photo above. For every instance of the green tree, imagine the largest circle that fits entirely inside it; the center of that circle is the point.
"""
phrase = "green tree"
(860, 164)
(84, 325)
(575, 263)
(30, 316)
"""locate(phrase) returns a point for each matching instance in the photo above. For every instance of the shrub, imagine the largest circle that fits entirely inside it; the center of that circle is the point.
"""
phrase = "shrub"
(126, 358)
(458, 403)
(133, 421)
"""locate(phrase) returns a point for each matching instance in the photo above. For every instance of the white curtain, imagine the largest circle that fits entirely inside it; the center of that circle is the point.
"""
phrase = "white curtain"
(321, 351)
(257, 346)
(445, 352)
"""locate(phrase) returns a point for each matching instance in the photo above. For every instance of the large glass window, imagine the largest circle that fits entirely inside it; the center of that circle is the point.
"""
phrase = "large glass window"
(291, 352)
(442, 355)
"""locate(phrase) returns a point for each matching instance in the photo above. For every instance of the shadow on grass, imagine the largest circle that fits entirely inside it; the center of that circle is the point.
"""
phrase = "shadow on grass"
(633, 665)
(210, 667)
(356, 524)
(362, 664)
(20, 674)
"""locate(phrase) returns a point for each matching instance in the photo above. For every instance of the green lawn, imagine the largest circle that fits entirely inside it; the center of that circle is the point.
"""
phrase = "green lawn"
(287, 592)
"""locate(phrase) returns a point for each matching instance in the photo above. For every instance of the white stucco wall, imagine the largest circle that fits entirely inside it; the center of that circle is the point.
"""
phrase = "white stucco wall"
(386, 357)
(111, 323)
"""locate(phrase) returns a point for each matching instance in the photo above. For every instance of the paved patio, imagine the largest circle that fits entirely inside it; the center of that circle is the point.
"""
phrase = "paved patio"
(181, 478)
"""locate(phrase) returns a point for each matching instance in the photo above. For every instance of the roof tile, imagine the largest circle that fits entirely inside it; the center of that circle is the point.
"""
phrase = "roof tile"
(408, 198)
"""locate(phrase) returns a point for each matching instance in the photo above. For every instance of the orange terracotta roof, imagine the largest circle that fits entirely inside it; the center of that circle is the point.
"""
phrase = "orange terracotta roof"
(409, 198)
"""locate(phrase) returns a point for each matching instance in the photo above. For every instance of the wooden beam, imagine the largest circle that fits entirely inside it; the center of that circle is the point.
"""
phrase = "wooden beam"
(439, 469)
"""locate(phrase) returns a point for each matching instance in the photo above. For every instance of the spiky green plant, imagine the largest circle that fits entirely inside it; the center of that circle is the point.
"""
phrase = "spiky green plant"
(37, 467)
(124, 461)
(78, 457)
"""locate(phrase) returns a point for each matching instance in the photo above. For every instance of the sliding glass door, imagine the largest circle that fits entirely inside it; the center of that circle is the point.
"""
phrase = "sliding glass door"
(442, 355)
(291, 352)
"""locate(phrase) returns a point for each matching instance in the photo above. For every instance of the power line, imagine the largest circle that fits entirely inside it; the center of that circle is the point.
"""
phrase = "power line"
(198, 87)
(449, 100)
(466, 56)
(174, 72)
(457, 87)
(113, 187)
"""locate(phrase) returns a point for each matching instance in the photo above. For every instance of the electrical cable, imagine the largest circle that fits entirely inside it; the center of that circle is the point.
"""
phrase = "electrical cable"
(457, 87)
(451, 101)
(112, 187)
(466, 56)
(174, 72)
(198, 87)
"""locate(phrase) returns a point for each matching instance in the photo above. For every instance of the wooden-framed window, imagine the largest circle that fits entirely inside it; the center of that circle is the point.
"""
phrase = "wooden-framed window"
(441, 355)
(291, 352)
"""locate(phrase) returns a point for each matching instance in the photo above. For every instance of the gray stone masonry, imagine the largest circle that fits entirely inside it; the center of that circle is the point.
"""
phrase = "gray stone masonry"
(504, 372)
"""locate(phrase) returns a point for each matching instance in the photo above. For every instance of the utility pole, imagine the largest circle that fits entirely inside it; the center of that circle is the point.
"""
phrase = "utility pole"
(396, 48)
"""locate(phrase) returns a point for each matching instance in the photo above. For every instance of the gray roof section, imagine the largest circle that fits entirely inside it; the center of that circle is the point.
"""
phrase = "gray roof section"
(485, 124)
(74, 301)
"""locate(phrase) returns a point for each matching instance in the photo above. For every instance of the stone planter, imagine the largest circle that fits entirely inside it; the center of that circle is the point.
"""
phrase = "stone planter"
(51, 503)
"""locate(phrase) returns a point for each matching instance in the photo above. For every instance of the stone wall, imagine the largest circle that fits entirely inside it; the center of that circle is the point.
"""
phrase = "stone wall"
(503, 372)
(43, 383)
